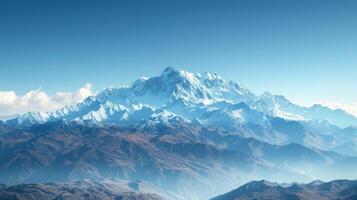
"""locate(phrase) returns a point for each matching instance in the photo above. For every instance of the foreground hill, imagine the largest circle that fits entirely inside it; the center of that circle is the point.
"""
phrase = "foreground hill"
(80, 190)
(317, 190)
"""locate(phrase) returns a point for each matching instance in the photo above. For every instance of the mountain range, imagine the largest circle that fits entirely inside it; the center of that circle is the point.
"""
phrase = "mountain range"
(209, 100)
(191, 135)
(81, 190)
(188, 95)
(259, 190)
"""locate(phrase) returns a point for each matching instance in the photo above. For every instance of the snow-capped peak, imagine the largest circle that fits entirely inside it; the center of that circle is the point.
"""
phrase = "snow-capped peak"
(182, 93)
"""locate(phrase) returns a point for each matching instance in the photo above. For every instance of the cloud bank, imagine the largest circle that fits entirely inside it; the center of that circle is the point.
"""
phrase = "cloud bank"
(38, 100)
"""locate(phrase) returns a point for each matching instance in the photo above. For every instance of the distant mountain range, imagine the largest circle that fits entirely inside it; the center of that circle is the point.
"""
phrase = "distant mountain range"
(259, 190)
(187, 161)
(192, 136)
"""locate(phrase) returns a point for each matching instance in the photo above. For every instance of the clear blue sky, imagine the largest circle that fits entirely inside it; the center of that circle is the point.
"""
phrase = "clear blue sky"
(304, 49)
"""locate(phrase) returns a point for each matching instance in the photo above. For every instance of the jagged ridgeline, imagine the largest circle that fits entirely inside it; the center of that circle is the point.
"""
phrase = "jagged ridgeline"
(338, 189)
(188, 136)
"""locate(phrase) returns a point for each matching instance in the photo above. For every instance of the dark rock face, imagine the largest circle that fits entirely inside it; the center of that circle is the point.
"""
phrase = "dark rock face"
(108, 190)
(263, 190)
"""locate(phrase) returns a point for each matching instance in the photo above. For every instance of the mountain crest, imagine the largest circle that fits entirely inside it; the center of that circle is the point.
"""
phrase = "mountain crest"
(188, 95)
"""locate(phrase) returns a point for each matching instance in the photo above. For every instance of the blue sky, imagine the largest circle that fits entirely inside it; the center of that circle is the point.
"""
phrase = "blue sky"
(305, 50)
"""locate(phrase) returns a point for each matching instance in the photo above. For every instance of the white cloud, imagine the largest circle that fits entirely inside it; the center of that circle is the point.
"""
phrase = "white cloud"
(348, 107)
(38, 100)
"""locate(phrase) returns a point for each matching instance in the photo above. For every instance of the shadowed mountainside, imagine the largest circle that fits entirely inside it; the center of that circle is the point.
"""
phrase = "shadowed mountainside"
(180, 157)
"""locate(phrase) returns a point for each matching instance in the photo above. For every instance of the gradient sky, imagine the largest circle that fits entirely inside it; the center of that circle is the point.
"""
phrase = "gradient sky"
(305, 50)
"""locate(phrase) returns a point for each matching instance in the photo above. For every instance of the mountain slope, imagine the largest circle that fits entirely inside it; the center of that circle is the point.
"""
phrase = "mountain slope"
(105, 189)
(278, 105)
(56, 152)
(184, 94)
